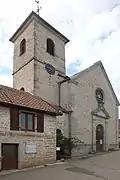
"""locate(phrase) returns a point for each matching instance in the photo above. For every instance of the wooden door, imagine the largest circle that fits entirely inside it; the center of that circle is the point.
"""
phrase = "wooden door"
(99, 138)
(10, 156)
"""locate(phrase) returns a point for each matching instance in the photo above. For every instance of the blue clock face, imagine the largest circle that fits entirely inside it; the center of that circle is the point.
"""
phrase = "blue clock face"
(50, 69)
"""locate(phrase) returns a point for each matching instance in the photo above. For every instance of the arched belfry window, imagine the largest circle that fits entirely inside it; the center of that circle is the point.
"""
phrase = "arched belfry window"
(22, 47)
(50, 46)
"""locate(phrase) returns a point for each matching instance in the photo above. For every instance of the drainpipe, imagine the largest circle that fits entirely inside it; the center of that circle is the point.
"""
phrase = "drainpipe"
(59, 89)
(105, 134)
(92, 132)
(69, 113)
(69, 133)
(117, 125)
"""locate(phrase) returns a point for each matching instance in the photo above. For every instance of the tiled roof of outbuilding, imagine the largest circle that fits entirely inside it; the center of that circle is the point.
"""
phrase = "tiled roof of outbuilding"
(13, 96)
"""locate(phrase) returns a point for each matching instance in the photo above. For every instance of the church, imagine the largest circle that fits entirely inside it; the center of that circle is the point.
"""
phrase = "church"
(45, 100)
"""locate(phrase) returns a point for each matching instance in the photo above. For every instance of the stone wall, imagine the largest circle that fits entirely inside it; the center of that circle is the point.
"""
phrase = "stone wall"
(46, 85)
(81, 150)
(31, 65)
(41, 35)
(25, 78)
(27, 34)
(62, 123)
(85, 102)
(65, 95)
(23, 66)
(45, 142)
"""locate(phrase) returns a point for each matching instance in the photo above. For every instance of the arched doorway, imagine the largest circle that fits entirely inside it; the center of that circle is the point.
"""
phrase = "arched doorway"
(99, 138)
(58, 143)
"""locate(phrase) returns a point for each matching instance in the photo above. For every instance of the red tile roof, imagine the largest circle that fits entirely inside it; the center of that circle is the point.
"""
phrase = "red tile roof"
(24, 99)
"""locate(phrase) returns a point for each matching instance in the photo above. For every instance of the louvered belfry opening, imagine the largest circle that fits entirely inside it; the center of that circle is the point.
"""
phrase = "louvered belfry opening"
(23, 47)
(50, 47)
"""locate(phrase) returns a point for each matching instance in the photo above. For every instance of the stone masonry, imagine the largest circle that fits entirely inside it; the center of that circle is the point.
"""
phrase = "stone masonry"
(45, 142)
(76, 95)
(29, 69)
(85, 102)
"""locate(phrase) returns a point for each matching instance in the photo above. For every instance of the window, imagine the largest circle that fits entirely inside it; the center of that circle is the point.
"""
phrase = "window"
(26, 121)
(22, 47)
(23, 120)
(30, 123)
(100, 95)
(50, 46)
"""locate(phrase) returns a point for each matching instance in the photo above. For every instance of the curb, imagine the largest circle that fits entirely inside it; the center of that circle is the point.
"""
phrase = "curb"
(92, 155)
(4, 173)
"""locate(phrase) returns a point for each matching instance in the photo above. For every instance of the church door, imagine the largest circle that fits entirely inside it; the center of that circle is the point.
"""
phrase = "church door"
(99, 138)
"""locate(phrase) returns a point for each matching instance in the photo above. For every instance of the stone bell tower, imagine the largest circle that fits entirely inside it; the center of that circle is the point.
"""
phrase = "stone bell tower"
(39, 56)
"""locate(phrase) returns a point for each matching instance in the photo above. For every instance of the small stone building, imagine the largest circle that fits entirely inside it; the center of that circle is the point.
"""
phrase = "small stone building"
(83, 107)
(27, 129)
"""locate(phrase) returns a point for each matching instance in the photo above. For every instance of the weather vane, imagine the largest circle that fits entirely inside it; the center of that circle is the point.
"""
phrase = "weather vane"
(38, 7)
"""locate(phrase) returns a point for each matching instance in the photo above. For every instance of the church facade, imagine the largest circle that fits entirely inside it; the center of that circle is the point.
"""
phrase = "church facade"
(84, 106)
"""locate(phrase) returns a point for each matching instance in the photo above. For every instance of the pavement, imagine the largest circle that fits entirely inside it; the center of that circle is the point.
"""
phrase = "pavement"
(103, 167)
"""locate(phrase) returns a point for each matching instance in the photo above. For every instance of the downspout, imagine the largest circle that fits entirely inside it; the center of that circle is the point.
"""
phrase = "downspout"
(92, 132)
(105, 134)
(59, 94)
(69, 133)
(59, 90)
(117, 126)
(69, 112)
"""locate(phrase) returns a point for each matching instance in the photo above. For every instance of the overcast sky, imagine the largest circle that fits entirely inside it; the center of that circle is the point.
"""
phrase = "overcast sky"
(93, 27)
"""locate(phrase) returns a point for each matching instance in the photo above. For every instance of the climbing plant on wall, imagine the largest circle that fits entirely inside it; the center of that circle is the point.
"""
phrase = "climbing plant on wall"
(66, 144)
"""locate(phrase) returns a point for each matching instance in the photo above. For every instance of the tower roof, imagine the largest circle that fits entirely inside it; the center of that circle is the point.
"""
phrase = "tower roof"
(28, 20)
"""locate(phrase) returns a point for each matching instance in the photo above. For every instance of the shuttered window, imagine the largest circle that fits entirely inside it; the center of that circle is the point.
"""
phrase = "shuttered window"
(14, 118)
(27, 121)
(40, 122)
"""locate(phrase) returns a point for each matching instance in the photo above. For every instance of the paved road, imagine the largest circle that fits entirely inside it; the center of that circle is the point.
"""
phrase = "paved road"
(105, 167)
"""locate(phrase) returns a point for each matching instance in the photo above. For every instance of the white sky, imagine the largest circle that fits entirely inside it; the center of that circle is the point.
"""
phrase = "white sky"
(93, 26)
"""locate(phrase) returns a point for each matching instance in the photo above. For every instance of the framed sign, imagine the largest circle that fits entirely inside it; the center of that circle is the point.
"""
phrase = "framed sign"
(58, 148)
(31, 148)
(101, 141)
